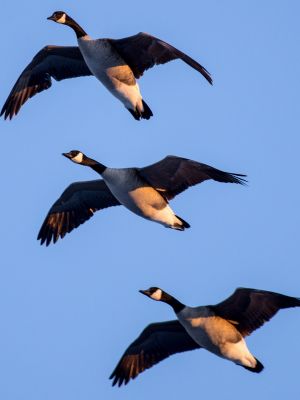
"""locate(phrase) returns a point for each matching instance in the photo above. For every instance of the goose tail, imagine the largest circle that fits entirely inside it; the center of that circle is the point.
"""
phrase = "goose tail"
(181, 224)
(142, 111)
(258, 367)
(146, 113)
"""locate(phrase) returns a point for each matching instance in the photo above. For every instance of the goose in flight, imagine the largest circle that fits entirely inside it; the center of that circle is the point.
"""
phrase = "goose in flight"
(219, 328)
(144, 191)
(116, 63)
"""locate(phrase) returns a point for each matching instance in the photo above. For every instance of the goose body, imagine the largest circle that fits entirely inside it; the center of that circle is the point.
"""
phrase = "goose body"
(111, 70)
(144, 191)
(138, 196)
(219, 328)
(216, 335)
(116, 63)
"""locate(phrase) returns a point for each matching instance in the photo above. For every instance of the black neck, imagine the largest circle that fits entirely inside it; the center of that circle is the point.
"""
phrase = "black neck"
(174, 303)
(95, 165)
(100, 168)
(76, 27)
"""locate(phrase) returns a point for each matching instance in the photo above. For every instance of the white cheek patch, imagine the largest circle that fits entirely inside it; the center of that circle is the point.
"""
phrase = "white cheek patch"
(156, 295)
(78, 159)
(62, 19)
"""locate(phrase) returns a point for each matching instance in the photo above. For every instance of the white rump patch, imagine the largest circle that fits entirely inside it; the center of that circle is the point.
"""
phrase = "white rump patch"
(62, 19)
(78, 159)
(156, 295)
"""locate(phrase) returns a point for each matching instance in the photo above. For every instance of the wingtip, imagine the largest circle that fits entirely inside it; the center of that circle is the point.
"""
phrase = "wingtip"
(243, 182)
(206, 75)
(113, 377)
(43, 239)
(210, 80)
(5, 114)
(119, 380)
(240, 179)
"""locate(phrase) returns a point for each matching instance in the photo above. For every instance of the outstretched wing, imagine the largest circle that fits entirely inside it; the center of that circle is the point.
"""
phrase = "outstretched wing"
(157, 342)
(77, 204)
(58, 62)
(143, 51)
(173, 175)
(249, 309)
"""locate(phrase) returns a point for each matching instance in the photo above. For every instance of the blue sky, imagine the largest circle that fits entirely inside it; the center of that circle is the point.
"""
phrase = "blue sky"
(69, 311)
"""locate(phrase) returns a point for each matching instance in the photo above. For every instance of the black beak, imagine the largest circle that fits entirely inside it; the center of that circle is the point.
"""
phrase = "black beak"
(51, 18)
(68, 155)
(145, 292)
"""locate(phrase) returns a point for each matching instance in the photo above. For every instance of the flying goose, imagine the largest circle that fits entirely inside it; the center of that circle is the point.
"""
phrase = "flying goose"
(219, 328)
(144, 191)
(116, 63)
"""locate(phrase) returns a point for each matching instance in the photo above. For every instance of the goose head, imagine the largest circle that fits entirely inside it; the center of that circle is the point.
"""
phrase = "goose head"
(60, 17)
(156, 293)
(77, 157)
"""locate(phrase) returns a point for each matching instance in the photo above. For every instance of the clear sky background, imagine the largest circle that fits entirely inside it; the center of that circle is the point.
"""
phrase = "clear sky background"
(69, 311)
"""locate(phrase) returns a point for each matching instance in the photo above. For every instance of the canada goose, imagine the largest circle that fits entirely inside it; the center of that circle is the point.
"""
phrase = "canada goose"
(219, 328)
(144, 191)
(116, 63)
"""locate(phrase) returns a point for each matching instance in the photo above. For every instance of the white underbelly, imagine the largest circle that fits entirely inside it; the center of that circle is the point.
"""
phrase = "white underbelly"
(129, 95)
(238, 353)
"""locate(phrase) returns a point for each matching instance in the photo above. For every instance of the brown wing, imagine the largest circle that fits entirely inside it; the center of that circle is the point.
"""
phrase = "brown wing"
(77, 204)
(58, 62)
(157, 342)
(249, 309)
(143, 51)
(173, 175)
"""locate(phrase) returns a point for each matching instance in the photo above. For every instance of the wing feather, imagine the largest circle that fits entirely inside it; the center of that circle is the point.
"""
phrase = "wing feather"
(77, 204)
(157, 342)
(173, 175)
(249, 309)
(58, 62)
(143, 51)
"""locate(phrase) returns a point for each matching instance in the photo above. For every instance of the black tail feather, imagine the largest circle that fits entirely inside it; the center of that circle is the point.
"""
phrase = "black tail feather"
(138, 114)
(184, 225)
(134, 114)
(258, 368)
(147, 113)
